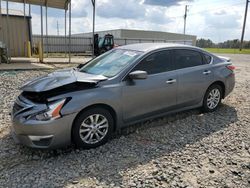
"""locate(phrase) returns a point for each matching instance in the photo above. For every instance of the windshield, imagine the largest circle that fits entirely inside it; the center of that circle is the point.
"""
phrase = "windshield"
(111, 63)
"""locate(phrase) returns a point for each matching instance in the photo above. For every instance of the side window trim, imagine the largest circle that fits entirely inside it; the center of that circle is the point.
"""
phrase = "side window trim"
(203, 54)
(158, 51)
(146, 56)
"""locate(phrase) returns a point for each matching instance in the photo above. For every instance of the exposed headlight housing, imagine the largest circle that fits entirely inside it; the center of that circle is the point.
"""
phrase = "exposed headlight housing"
(53, 111)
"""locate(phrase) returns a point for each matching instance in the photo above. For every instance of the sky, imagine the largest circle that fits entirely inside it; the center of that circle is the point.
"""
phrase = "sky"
(218, 20)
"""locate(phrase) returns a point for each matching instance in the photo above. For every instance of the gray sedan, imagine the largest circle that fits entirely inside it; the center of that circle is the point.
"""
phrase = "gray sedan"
(132, 83)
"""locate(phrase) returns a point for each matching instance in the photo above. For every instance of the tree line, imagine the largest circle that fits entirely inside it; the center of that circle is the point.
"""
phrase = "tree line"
(207, 43)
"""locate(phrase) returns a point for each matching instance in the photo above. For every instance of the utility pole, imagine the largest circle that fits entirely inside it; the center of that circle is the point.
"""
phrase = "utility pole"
(58, 33)
(244, 25)
(93, 37)
(185, 18)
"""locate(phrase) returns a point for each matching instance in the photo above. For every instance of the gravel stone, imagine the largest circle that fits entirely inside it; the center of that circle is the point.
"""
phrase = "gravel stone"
(75, 182)
(187, 149)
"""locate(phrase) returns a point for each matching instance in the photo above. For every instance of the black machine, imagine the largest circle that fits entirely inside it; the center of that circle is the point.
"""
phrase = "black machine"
(103, 44)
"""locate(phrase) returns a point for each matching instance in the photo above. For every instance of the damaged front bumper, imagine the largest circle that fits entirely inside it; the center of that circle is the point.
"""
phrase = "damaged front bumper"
(36, 134)
(39, 134)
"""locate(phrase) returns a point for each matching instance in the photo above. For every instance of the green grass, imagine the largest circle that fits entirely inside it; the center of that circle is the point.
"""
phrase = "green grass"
(228, 51)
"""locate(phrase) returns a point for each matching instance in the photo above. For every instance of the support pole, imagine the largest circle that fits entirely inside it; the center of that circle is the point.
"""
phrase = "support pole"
(29, 10)
(1, 29)
(93, 35)
(41, 58)
(8, 39)
(57, 28)
(30, 29)
(25, 25)
(70, 32)
(65, 31)
(46, 20)
(185, 19)
(244, 26)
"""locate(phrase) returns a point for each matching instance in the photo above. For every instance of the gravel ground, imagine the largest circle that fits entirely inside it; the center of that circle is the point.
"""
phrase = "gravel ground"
(187, 149)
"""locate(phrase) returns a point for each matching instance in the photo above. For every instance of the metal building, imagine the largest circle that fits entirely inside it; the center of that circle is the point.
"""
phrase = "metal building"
(17, 33)
(142, 34)
(26, 36)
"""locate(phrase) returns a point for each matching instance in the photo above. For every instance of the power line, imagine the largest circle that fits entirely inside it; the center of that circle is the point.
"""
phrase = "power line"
(174, 2)
(218, 8)
(207, 10)
(202, 11)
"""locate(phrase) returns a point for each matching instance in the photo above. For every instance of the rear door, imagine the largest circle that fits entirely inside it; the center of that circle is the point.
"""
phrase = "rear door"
(194, 76)
(157, 93)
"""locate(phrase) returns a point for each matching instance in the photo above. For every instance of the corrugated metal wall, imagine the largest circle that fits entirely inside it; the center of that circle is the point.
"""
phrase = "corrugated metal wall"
(115, 33)
(143, 35)
(158, 35)
(18, 33)
(58, 44)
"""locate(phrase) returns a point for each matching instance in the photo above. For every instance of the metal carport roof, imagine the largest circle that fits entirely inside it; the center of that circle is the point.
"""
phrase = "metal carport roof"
(59, 4)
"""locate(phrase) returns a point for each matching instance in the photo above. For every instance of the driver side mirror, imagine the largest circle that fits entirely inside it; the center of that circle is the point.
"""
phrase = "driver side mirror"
(138, 75)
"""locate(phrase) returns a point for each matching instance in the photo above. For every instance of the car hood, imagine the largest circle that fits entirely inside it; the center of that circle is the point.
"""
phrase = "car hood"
(60, 78)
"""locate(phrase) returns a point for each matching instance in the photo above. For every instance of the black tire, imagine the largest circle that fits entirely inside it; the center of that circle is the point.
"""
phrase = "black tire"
(205, 107)
(78, 141)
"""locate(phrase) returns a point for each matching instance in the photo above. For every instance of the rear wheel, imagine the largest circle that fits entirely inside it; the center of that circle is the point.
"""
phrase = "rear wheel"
(212, 98)
(92, 128)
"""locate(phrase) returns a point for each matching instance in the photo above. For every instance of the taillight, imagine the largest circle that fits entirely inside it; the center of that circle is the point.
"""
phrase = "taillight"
(231, 67)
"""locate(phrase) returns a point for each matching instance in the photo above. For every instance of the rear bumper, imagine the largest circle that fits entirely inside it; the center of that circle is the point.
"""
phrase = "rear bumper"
(47, 135)
(229, 84)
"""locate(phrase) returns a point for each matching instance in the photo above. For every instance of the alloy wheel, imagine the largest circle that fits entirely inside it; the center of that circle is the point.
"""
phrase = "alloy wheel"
(93, 128)
(213, 98)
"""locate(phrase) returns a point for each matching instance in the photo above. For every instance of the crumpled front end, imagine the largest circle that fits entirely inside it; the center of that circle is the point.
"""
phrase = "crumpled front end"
(60, 78)
(42, 115)
(31, 131)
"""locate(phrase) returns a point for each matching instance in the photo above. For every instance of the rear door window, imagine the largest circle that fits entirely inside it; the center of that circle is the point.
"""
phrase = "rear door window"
(187, 58)
(207, 58)
(157, 62)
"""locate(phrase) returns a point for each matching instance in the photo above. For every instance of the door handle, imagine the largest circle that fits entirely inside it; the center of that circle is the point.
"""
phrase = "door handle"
(171, 81)
(206, 72)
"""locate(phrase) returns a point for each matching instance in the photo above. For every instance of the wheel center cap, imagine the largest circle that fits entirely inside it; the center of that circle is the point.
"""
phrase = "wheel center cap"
(94, 129)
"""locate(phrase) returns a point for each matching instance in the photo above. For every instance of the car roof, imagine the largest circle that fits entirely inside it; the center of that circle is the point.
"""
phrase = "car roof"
(147, 47)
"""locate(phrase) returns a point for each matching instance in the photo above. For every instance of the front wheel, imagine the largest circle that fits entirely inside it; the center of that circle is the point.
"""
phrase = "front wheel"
(212, 98)
(92, 128)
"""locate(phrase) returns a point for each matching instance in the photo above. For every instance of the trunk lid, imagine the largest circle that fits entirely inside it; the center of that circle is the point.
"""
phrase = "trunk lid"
(227, 59)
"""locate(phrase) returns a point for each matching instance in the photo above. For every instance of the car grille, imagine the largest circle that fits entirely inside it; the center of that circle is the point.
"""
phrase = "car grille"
(17, 108)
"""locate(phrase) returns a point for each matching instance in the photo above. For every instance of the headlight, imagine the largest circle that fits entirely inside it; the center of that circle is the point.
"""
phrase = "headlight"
(53, 111)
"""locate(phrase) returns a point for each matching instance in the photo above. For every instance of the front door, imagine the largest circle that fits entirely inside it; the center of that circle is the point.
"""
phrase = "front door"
(157, 93)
